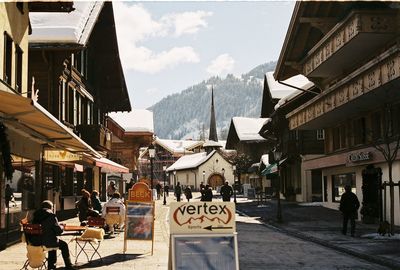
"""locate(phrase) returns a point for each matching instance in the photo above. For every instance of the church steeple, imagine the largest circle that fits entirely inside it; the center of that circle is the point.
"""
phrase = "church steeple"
(213, 125)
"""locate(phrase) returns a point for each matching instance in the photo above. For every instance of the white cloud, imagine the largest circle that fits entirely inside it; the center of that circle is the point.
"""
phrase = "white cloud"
(135, 25)
(187, 22)
(223, 64)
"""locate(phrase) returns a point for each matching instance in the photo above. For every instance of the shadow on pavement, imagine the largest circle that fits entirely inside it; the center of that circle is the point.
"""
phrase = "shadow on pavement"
(108, 260)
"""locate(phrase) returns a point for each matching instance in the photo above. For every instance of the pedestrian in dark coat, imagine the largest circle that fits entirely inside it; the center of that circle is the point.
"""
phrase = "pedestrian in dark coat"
(226, 192)
(208, 195)
(188, 193)
(202, 189)
(50, 230)
(349, 205)
(178, 191)
(158, 189)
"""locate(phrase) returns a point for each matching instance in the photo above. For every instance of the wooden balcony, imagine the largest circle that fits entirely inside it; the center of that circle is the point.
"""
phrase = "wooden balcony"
(349, 43)
(97, 136)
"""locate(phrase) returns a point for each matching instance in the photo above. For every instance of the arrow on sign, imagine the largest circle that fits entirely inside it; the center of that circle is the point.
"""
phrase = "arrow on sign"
(210, 228)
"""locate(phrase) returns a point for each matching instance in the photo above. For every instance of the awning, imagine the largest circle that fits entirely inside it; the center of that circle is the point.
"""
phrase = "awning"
(272, 168)
(109, 166)
(30, 117)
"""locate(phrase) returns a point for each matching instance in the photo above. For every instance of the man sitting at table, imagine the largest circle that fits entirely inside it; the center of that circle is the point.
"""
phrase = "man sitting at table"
(114, 218)
(50, 230)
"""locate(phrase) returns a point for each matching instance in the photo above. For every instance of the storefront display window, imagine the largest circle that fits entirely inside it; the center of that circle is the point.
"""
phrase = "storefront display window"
(339, 181)
(22, 184)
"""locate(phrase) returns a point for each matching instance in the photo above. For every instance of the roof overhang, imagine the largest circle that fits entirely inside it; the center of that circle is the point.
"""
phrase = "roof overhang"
(28, 115)
(53, 6)
(109, 166)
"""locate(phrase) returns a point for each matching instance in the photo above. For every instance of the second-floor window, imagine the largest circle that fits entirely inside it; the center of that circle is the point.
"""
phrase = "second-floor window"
(359, 131)
(7, 58)
(18, 69)
(339, 137)
(376, 126)
(320, 134)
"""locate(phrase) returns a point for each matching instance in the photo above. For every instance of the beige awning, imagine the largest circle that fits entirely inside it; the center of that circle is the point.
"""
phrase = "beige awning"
(30, 117)
(109, 166)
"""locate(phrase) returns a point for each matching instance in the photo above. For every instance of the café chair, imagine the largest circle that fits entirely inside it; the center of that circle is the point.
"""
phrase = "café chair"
(36, 253)
(89, 242)
(113, 217)
(98, 222)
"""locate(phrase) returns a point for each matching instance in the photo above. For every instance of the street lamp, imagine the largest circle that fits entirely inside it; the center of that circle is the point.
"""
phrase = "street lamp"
(277, 157)
(234, 183)
(204, 176)
(174, 179)
(152, 154)
(165, 176)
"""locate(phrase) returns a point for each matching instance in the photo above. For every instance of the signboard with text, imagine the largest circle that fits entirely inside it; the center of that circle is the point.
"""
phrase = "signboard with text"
(140, 192)
(202, 217)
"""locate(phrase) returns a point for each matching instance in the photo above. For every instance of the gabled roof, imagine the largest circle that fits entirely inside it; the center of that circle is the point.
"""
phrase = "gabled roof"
(193, 161)
(138, 120)
(247, 128)
(74, 27)
(178, 146)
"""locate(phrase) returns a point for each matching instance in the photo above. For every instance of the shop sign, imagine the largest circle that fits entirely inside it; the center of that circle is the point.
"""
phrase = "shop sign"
(61, 156)
(202, 217)
(360, 156)
(140, 192)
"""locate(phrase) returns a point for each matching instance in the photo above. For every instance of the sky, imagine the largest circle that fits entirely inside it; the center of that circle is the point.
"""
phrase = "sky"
(165, 47)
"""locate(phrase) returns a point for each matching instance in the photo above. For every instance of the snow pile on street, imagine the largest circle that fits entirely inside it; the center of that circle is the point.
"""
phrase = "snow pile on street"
(311, 204)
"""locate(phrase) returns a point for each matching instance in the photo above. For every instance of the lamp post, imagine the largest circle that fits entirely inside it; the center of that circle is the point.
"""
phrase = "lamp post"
(204, 177)
(165, 178)
(152, 154)
(234, 183)
(277, 157)
(174, 179)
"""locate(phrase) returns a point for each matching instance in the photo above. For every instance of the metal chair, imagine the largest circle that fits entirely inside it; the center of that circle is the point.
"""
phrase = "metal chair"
(90, 241)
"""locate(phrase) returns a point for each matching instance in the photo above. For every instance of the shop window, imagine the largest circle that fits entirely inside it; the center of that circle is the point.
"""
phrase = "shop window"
(7, 58)
(18, 69)
(23, 184)
(339, 181)
(67, 180)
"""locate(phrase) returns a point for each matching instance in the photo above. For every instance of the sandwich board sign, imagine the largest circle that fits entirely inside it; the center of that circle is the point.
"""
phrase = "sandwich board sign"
(139, 219)
(203, 236)
(202, 218)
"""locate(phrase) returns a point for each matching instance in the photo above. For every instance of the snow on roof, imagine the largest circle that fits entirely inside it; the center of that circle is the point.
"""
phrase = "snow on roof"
(280, 91)
(138, 120)
(211, 143)
(73, 27)
(178, 146)
(190, 161)
(247, 128)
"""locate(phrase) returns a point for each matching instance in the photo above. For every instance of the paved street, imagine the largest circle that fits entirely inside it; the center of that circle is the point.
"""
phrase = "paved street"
(261, 246)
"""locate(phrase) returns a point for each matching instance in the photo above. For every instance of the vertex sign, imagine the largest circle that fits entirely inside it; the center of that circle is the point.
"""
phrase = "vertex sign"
(202, 217)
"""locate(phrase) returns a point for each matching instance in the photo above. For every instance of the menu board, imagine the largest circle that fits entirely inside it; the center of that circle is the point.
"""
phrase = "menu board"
(139, 220)
(202, 251)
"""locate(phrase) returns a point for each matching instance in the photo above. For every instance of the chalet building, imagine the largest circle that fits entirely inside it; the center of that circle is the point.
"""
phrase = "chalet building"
(131, 132)
(244, 138)
(74, 62)
(28, 132)
(350, 51)
(211, 168)
(167, 152)
(296, 146)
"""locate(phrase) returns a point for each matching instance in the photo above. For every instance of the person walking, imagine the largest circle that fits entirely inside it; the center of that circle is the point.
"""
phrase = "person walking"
(158, 189)
(188, 193)
(208, 195)
(349, 205)
(226, 192)
(166, 190)
(50, 230)
(178, 191)
(202, 189)
(111, 189)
